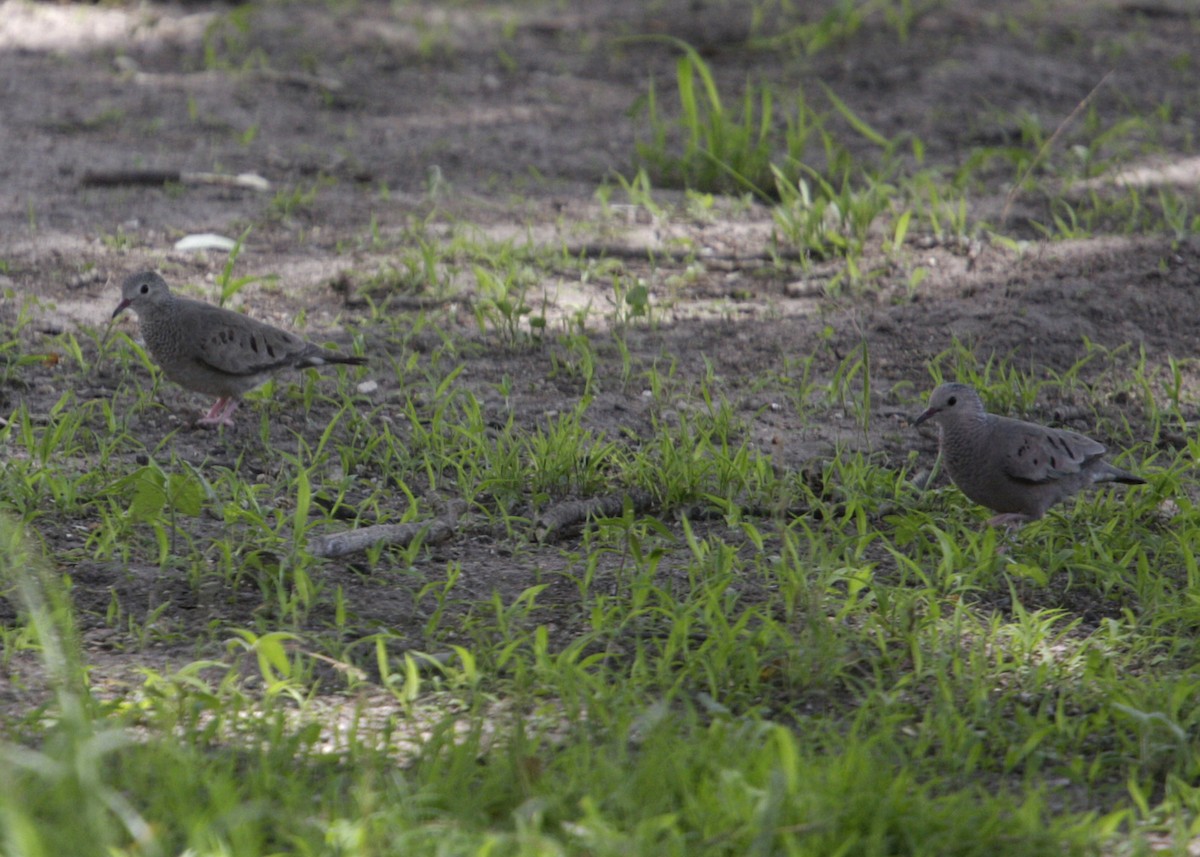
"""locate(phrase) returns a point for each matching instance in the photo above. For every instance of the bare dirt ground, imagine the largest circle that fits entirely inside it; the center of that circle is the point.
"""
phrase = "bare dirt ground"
(523, 109)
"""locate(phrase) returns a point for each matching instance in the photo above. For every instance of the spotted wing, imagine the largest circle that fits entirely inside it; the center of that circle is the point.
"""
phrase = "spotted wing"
(1033, 453)
(234, 344)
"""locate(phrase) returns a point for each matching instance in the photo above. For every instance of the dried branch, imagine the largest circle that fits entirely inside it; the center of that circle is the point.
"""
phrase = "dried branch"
(556, 520)
(115, 178)
(435, 531)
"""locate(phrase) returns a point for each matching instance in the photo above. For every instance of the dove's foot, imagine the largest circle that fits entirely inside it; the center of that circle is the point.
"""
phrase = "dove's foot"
(1010, 520)
(220, 414)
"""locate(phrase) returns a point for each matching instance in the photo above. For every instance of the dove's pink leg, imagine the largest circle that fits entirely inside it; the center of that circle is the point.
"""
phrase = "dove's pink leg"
(1009, 520)
(220, 413)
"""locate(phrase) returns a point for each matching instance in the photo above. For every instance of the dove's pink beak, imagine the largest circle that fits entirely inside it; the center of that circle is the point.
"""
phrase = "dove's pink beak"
(121, 307)
(925, 414)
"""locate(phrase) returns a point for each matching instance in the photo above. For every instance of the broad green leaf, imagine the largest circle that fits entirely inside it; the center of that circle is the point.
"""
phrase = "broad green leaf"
(149, 494)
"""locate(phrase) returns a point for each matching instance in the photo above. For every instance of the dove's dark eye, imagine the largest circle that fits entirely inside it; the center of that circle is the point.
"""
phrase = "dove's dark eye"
(952, 401)
(145, 289)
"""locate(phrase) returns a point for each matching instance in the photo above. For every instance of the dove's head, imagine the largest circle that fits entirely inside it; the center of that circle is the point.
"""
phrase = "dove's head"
(951, 403)
(141, 290)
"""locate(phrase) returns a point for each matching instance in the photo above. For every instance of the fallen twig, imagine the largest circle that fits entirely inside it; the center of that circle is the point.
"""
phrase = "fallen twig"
(676, 255)
(557, 519)
(114, 178)
(1041, 153)
(351, 541)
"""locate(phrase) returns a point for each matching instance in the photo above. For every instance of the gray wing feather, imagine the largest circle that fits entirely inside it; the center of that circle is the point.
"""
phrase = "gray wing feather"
(234, 344)
(1032, 453)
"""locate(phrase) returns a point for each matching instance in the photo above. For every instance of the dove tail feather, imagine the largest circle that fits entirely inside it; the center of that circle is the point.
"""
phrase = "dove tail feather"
(1129, 479)
(1116, 474)
(326, 359)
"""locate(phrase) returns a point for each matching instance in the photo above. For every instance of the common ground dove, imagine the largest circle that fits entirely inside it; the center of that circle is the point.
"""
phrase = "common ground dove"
(1013, 467)
(212, 350)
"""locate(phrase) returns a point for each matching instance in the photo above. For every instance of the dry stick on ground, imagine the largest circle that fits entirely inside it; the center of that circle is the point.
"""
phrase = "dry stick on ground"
(340, 544)
(557, 519)
(670, 254)
(114, 178)
(133, 72)
(1037, 159)
(426, 662)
